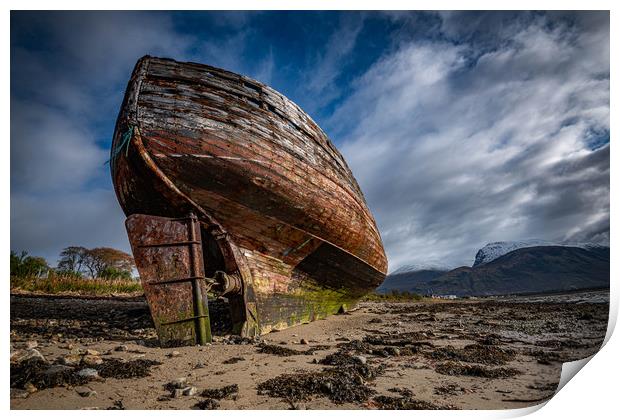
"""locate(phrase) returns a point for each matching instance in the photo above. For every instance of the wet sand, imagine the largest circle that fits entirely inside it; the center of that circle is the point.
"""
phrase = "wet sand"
(466, 354)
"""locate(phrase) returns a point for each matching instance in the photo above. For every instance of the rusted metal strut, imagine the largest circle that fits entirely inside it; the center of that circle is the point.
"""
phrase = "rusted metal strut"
(203, 326)
(169, 256)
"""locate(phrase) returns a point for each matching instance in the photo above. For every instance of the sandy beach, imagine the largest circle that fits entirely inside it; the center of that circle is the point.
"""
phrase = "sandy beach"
(74, 353)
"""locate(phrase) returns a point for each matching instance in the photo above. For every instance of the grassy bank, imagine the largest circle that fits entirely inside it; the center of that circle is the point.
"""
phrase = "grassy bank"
(75, 286)
(393, 296)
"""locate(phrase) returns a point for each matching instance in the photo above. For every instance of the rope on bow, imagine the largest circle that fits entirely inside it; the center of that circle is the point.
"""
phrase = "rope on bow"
(125, 141)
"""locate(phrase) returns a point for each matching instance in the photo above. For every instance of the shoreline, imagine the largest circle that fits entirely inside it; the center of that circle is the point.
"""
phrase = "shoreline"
(457, 355)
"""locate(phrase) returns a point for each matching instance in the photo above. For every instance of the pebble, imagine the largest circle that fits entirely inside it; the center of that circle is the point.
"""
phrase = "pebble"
(29, 355)
(418, 365)
(56, 369)
(122, 347)
(174, 354)
(31, 344)
(84, 391)
(190, 391)
(88, 373)
(303, 341)
(176, 393)
(19, 393)
(358, 380)
(92, 360)
(362, 359)
(92, 352)
(71, 360)
(30, 388)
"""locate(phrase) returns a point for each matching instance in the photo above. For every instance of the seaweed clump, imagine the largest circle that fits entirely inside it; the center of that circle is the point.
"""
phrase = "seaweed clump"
(355, 345)
(44, 375)
(474, 353)
(278, 350)
(341, 358)
(344, 383)
(285, 351)
(228, 391)
(212, 395)
(461, 369)
(407, 403)
(233, 360)
(450, 389)
(208, 404)
(119, 369)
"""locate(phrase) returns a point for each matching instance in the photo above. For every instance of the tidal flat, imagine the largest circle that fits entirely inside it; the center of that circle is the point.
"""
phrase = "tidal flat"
(491, 353)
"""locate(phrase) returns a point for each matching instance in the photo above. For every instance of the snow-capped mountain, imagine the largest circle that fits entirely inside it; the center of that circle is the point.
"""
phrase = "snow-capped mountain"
(420, 267)
(495, 250)
(533, 267)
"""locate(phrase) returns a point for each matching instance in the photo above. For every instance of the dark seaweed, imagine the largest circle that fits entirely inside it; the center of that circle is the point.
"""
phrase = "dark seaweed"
(340, 384)
(285, 351)
(474, 353)
(233, 360)
(460, 369)
(34, 371)
(208, 404)
(229, 391)
(406, 403)
(118, 369)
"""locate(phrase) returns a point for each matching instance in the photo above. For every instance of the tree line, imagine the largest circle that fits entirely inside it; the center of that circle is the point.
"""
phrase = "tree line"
(76, 261)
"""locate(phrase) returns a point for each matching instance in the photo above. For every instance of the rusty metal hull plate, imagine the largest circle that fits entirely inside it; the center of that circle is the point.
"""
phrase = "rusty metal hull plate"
(168, 255)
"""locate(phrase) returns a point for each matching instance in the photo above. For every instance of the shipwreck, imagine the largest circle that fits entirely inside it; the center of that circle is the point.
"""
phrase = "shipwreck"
(232, 191)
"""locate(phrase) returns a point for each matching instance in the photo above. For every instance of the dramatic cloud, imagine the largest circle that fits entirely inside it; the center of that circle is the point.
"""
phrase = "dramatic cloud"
(44, 224)
(461, 128)
(459, 144)
(52, 153)
(68, 75)
(322, 74)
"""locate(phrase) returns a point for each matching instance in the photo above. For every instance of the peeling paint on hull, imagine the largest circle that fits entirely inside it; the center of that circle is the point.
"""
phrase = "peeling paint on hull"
(277, 202)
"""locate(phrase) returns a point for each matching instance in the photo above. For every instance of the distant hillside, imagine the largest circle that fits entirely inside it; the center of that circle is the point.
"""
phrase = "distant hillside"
(525, 270)
(409, 280)
(494, 250)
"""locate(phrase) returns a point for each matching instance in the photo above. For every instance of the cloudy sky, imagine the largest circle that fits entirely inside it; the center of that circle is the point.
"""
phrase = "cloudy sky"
(461, 128)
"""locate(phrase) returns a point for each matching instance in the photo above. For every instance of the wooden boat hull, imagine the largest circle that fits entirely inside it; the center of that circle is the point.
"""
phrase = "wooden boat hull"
(278, 205)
